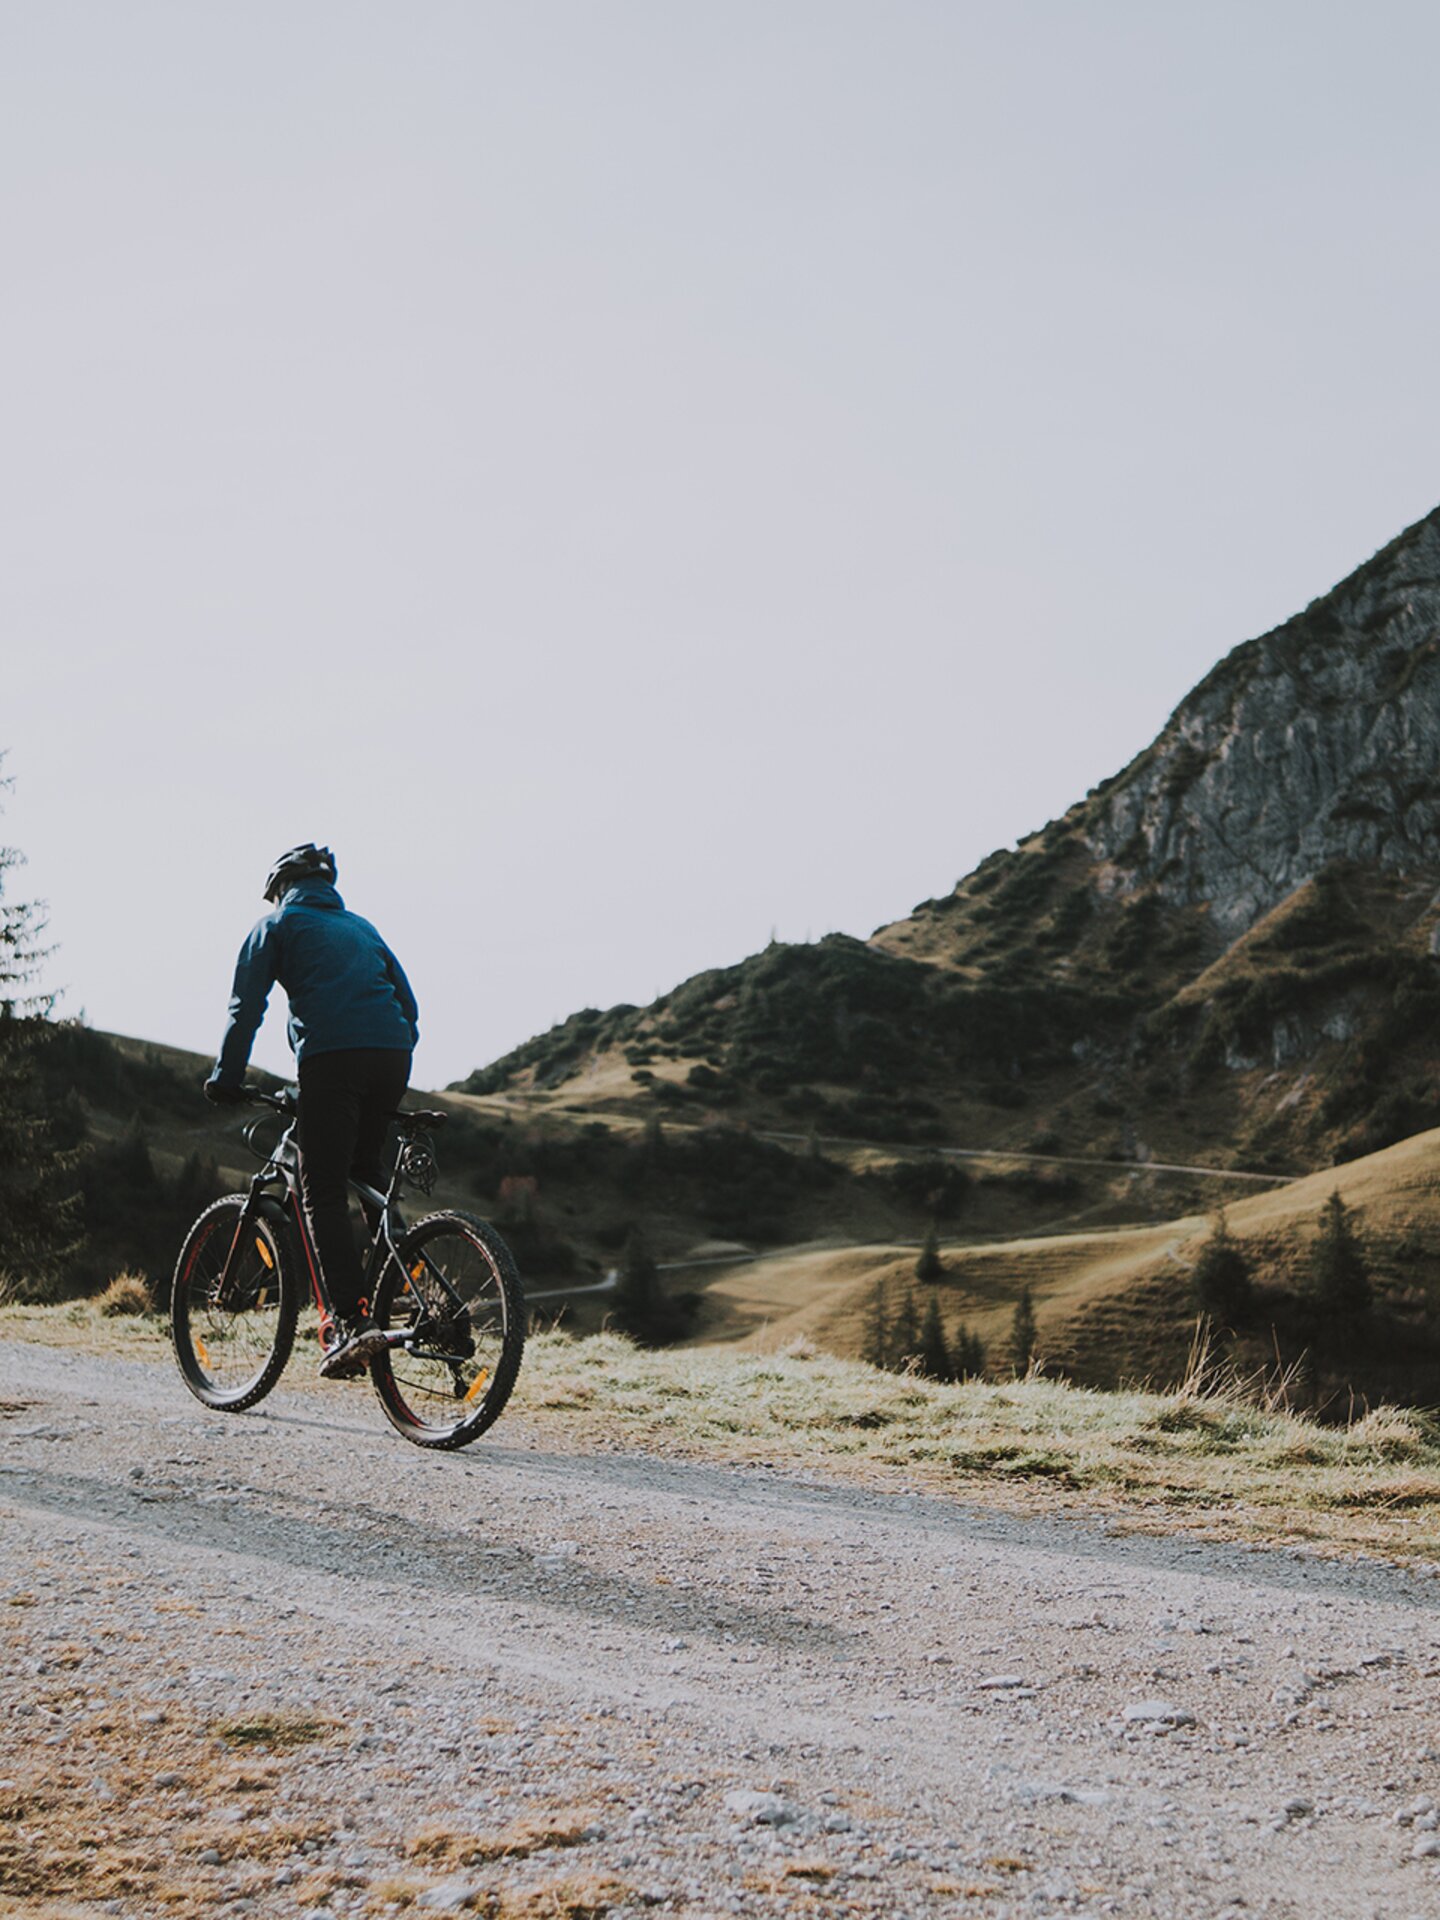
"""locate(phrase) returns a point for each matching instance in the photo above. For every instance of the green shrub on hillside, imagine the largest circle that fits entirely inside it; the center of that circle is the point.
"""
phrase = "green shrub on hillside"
(934, 1356)
(1132, 939)
(644, 1309)
(876, 1349)
(940, 1187)
(134, 1216)
(1339, 1278)
(1221, 1278)
(37, 1200)
(838, 1013)
(1326, 917)
(1023, 1334)
(929, 1267)
(1070, 920)
(1052, 1186)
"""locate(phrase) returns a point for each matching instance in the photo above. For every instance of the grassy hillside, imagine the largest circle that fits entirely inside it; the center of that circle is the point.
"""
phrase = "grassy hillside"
(1119, 1305)
(567, 1187)
(786, 1239)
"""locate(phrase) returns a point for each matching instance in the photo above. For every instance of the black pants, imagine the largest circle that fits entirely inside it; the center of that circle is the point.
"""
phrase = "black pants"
(346, 1100)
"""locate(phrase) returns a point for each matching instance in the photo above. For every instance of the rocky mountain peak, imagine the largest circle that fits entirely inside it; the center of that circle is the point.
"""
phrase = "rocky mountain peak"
(1315, 743)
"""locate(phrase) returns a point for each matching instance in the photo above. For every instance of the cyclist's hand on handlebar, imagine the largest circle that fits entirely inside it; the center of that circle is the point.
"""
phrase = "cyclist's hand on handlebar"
(225, 1094)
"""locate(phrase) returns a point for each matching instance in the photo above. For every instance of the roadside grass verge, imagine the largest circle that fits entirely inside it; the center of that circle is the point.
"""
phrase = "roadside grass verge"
(1209, 1457)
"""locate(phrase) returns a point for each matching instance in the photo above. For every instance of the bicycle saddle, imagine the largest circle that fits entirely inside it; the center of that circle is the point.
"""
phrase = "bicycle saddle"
(420, 1121)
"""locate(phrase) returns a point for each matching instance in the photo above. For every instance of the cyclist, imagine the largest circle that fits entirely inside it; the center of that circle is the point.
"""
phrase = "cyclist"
(353, 1026)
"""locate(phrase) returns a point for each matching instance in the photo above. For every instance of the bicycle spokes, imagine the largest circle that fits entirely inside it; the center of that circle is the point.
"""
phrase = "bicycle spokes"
(454, 1312)
(232, 1309)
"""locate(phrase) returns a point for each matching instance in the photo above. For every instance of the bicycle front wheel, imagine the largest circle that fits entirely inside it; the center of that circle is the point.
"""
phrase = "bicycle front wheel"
(232, 1340)
(457, 1297)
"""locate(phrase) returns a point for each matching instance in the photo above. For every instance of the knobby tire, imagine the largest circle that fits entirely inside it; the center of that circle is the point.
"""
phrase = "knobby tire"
(469, 1334)
(231, 1353)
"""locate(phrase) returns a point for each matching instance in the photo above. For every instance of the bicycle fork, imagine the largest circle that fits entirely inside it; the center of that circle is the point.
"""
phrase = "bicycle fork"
(225, 1285)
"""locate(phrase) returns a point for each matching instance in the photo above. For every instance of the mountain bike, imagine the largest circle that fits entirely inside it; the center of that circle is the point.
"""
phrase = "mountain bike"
(445, 1291)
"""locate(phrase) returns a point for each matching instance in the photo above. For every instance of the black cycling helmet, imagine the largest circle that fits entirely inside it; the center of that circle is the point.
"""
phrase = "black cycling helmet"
(300, 863)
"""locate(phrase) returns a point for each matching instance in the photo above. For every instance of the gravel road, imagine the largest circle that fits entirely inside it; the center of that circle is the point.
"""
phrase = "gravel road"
(543, 1682)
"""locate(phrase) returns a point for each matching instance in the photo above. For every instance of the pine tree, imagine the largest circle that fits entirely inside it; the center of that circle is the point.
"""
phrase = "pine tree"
(876, 1352)
(1222, 1282)
(1339, 1277)
(907, 1332)
(39, 1208)
(197, 1183)
(1023, 1334)
(935, 1361)
(642, 1307)
(967, 1355)
(930, 1267)
(129, 1160)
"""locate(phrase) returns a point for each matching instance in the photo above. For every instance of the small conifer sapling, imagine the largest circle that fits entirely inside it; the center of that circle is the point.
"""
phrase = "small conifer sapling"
(1023, 1334)
(907, 1332)
(1339, 1278)
(1223, 1286)
(935, 1361)
(930, 1267)
(876, 1351)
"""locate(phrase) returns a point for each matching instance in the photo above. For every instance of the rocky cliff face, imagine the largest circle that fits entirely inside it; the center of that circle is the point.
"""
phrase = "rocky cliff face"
(1318, 742)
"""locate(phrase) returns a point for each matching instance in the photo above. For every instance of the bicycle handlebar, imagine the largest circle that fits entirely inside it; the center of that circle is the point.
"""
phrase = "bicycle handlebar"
(281, 1102)
(287, 1102)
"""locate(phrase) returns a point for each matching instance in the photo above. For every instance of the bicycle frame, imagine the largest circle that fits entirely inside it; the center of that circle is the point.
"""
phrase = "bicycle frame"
(281, 1171)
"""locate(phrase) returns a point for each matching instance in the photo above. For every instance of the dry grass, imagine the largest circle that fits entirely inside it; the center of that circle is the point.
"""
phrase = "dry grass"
(42, 1908)
(577, 1896)
(274, 1732)
(444, 1845)
(819, 1870)
(88, 1822)
(127, 1293)
(79, 1327)
(584, 1896)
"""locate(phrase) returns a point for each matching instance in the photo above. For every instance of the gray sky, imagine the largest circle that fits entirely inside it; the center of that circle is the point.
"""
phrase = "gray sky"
(634, 475)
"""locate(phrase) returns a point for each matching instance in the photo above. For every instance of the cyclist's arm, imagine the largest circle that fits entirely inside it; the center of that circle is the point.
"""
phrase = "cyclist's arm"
(249, 996)
(404, 994)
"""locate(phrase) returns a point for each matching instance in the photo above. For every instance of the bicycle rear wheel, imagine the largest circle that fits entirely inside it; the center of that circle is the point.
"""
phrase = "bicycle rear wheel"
(457, 1295)
(232, 1349)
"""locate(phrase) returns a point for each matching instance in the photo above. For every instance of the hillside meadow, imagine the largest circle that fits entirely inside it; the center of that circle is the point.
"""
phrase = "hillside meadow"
(1117, 1305)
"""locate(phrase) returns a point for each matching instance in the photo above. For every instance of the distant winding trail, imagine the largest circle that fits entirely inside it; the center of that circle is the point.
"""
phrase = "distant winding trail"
(635, 1123)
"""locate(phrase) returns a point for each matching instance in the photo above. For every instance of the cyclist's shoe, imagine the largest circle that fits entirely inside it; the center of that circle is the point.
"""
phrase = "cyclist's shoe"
(352, 1352)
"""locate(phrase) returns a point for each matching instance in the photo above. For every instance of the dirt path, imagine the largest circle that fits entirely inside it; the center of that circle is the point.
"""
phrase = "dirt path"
(284, 1664)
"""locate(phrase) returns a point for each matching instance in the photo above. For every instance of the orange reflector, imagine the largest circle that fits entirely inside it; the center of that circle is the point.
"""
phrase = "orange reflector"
(417, 1269)
(202, 1350)
(264, 1253)
(477, 1384)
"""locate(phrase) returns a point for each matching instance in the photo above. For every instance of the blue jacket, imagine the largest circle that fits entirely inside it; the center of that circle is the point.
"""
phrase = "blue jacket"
(346, 988)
